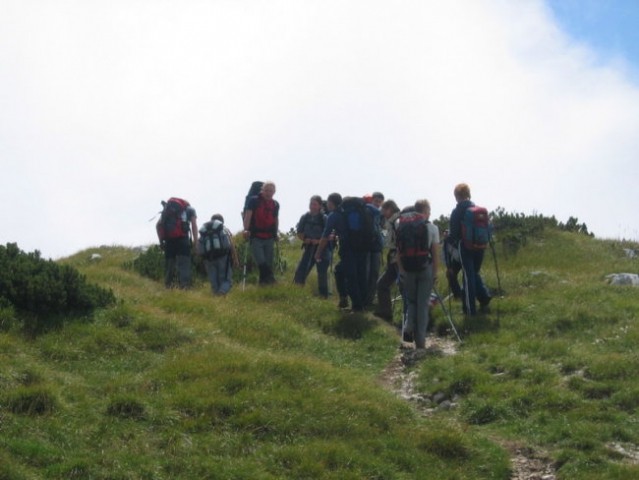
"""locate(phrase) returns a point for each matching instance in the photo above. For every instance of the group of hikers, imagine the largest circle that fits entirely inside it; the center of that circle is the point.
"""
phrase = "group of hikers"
(358, 230)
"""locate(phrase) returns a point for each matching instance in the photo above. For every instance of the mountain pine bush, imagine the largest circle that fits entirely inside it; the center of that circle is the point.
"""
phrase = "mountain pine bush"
(40, 289)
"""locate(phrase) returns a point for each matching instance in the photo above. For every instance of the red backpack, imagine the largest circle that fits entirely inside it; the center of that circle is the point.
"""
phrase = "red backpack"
(173, 221)
(413, 242)
(264, 218)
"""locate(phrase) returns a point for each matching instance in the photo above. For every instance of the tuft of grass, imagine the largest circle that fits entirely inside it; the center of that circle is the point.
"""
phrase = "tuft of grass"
(32, 401)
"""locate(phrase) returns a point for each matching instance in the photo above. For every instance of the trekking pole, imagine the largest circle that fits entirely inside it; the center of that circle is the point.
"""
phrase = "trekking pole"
(447, 312)
(331, 272)
(492, 248)
(278, 253)
(244, 267)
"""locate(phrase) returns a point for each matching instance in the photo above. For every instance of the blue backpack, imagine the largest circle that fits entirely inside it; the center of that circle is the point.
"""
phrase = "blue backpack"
(476, 229)
(359, 224)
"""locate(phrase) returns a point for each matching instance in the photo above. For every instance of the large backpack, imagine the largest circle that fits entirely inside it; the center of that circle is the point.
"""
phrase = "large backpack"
(214, 241)
(359, 224)
(264, 218)
(312, 226)
(475, 228)
(254, 190)
(413, 243)
(173, 220)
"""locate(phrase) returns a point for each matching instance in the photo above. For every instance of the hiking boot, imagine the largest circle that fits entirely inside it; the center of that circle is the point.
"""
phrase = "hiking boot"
(483, 302)
(343, 302)
(383, 315)
(407, 336)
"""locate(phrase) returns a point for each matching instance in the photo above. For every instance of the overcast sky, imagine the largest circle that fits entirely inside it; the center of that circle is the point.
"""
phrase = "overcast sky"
(106, 108)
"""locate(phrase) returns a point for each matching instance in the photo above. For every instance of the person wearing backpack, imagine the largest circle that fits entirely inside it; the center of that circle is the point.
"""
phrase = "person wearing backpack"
(351, 222)
(261, 223)
(175, 229)
(374, 260)
(309, 230)
(471, 252)
(418, 262)
(216, 248)
(390, 213)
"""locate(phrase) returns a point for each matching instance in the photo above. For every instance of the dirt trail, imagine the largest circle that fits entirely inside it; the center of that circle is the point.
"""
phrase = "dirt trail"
(399, 378)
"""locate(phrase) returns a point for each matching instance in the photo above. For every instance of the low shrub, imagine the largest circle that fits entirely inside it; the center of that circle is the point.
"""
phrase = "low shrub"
(42, 289)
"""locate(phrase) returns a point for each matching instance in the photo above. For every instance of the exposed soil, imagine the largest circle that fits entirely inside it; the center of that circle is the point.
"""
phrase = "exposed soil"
(399, 377)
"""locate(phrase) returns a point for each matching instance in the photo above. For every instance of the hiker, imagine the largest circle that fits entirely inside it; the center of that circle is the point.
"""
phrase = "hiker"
(377, 199)
(390, 213)
(309, 230)
(216, 248)
(453, 265)
(352, 248)
(261, 227)
(418, 255)
(374, 258)
(333, 202)
(177, 232)
(471, 259)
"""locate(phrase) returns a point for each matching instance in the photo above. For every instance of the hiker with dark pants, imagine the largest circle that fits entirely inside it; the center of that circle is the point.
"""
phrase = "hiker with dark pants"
(418, 254)
(471, 259)
(309, 230)
(333, 202)
(352, 259)
(453, 264)
(216, 248)
(261, 227)
(374, 260)
(390, 213)
(176, 227)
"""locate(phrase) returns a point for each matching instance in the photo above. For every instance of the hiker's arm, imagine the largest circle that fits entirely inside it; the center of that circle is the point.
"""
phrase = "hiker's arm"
(320, 249)
(434, 250)
(194, 230)
(247, 223)
(158, 229)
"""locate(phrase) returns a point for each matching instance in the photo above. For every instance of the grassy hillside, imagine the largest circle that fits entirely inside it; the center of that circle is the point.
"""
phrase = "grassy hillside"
(276, 383)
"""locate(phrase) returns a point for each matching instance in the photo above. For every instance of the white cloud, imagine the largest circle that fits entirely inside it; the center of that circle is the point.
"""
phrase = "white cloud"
(109, 107)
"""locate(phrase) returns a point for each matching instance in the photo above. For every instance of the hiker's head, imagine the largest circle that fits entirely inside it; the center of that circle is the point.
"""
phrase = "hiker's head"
(218, 217)
(315, 205)
(462, 192)
(378, 199)
(334, 200)
(389, 208)
(423, 206)
(268, 189)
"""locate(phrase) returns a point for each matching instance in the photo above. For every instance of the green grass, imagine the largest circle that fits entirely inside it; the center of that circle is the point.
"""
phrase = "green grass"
(273, 383)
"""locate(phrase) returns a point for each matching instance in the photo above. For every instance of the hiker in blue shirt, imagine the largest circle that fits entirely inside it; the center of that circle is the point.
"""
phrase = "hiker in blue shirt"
(352, 262)
(471, 260)
(374, 260)
(309, 230)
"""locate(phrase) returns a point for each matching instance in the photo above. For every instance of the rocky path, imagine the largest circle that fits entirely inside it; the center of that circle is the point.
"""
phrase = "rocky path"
(399, 377)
